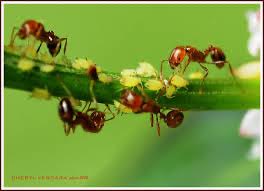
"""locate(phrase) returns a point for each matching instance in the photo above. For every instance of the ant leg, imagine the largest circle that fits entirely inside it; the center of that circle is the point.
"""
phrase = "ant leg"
(234, 76)
(151, 119)
(107, 106)
(158, 126)
(86, 103)
(67, 129)
(161, 69)
(65, 44)
(206, 73)
(13, 36)
(39, 47)
(92, 83)
(186, 65)
(74, 101)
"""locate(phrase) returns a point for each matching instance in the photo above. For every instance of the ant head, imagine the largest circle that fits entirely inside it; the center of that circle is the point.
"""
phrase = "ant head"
(98, 119)
(131, 100)
(51, 37)
(53, 43)
(177, 56)
(66, 112)
(174, 118)
(218, 57)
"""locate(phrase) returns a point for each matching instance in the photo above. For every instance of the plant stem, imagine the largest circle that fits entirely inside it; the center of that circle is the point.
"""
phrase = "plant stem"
(217, 93)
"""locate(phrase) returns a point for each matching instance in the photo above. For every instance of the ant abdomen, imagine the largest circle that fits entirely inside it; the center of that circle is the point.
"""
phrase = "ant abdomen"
(30, 27)
(218, 57)
(98, 119)
(66, 111)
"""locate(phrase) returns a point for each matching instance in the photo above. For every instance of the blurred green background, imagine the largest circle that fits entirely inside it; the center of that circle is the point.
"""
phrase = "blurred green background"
(205, 150)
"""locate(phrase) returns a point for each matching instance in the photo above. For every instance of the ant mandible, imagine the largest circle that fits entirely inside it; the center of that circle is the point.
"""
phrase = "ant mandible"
(194, 55)
(37, 30)
(139, 104)
(90, 123)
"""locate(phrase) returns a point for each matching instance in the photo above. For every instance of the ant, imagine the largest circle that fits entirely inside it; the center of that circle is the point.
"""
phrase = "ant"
(138, 105)
(178, 54)
(90, 123)
(37, 30)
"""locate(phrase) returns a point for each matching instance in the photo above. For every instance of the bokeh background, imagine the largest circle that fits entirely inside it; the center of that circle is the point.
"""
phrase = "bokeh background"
(205, 150)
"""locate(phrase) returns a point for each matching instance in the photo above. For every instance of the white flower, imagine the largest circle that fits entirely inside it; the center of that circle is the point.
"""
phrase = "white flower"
(250, 128)
(254, 29)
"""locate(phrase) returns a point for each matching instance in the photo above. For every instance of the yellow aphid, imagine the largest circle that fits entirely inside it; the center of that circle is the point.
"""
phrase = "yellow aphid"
(130, 81)
(128, 72)
(249, 70)
(146, 70)
(179, 81)
(25, 64)
(46, 58)
(81, 63)
(154, 85)
(170, 90)
(196, 75)
(122, 107)
(47, 68)
(98, 69)
(75, 102)
(104, 78)
(41, 93)
(30, 51)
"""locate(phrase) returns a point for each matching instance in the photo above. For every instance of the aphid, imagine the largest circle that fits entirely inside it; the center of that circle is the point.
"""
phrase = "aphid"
(178, 81)
(154, 85)
(41, 93)
(194, 55)
(37, 30)
(128, 72)
(47, 68)
(146, 70)
(105, 78)
(130, 81)
(170, 90)
(196, 75)
(81, 63)
(25, 64)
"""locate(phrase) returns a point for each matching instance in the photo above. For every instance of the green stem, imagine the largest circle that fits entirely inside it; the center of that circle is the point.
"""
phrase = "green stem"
(217, 93)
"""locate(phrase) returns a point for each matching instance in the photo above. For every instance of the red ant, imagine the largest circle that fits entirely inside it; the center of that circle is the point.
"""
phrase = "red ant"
(138, 105)
(178, 54)
(37, 30)
(90, 123)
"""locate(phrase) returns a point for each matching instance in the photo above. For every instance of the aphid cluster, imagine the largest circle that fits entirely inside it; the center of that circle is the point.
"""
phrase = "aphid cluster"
(133, 98)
